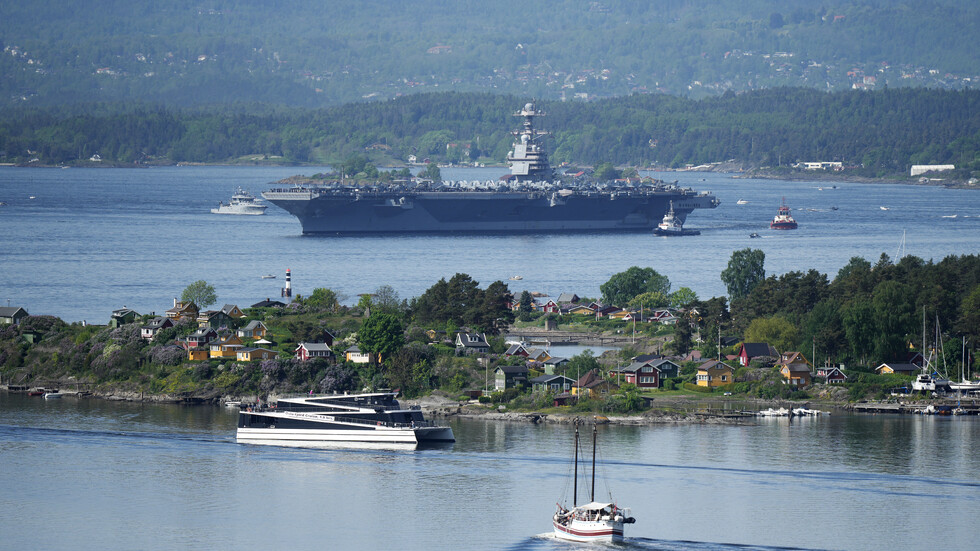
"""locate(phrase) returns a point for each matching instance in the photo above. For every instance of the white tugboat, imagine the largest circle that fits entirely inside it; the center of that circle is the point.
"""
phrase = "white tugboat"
(242, 202)
(593, 521)
(672, 225)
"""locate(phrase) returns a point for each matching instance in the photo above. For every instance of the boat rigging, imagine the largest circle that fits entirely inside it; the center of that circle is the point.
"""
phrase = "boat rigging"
(593, 521)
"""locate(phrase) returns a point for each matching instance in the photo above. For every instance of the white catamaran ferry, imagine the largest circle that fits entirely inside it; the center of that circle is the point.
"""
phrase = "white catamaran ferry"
(346, 420)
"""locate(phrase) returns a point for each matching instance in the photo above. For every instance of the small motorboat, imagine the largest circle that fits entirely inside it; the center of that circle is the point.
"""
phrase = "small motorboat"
(883, 208)
(741, 202)
(754, 235)
(52, 395)
(781, 412)
(516, 278)
(268, 276)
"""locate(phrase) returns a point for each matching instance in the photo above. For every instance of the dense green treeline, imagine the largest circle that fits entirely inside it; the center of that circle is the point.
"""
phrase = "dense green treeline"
(874, 133)
(185, 52)
(869, 313)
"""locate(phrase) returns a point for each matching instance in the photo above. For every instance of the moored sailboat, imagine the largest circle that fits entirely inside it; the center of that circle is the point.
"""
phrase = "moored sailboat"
(593, 521)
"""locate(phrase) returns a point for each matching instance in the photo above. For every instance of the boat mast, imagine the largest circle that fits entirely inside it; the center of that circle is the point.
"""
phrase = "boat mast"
(575, 478)
(592, 495)
(924, 362)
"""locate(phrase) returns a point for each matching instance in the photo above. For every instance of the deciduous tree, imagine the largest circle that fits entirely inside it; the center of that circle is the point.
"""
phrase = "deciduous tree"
(777, 331)
(322, 299)
(200, 293)
(382, 335)
(746, 269)
(623, 286)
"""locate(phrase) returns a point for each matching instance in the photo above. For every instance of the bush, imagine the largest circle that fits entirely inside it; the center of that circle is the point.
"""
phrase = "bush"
(339, 378)
(202, 372)
(696, 388)
(167, 355)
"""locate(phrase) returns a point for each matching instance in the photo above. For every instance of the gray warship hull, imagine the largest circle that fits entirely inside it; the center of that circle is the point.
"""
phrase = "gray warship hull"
(331, 212)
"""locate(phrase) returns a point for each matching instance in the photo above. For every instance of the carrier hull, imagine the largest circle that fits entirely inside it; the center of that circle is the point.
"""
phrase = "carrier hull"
(483, 212)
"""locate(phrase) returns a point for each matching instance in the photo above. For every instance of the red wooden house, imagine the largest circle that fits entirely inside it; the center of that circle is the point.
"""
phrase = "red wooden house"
(752, 350)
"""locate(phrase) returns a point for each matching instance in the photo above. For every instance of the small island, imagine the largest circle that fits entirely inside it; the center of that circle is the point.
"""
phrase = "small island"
(461, 349)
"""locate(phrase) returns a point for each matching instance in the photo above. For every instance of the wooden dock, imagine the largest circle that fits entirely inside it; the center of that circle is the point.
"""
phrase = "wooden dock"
(935, 407)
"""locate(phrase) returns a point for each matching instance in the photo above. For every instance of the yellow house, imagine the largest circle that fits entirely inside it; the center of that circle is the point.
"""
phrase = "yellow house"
(226, 347)
(254, 330)
(538, 354)
(593, 385)
(354, 355)
(797, 374)
(714, 373)
(233, 311)
(581, 310)
(619, 314)
(787, 358)
(255, 354)
(183, 311)
(198, 354)
(899, 368)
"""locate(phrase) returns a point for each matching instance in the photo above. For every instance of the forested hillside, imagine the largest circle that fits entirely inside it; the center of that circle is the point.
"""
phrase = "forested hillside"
(871, 133)
(306, 54)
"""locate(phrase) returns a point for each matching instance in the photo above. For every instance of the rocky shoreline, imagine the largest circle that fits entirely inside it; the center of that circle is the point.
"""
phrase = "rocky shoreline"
(438, 407)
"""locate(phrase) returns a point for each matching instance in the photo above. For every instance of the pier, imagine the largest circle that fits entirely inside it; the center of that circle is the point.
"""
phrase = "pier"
(934, 407)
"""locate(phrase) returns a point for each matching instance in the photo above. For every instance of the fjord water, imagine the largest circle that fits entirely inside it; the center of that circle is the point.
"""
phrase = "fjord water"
(92, 474)
(94, 240)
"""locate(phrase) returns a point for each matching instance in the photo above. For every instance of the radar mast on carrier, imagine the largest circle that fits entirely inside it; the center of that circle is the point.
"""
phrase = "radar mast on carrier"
(528, 160)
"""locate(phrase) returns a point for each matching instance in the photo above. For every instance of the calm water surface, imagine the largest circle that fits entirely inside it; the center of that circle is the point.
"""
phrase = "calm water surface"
(93, 240)
(91, 474)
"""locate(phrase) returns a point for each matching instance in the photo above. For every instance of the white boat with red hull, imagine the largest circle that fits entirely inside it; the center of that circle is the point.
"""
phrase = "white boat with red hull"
(783, 219)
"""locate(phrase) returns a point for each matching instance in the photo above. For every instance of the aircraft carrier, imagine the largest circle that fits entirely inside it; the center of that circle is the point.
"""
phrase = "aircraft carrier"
(529, 200)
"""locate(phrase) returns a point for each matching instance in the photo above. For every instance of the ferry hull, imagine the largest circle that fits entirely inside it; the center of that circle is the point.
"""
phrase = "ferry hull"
(382, 437)
(486, 212)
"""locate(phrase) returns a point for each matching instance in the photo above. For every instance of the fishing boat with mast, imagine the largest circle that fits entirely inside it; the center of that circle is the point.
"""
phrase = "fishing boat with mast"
(593, 521)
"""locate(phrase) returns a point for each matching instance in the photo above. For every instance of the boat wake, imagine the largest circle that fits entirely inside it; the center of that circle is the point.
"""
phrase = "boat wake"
(548, 540)
(48, 434)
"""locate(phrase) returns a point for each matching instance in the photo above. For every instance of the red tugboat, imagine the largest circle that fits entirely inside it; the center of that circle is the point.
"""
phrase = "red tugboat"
(783, 220)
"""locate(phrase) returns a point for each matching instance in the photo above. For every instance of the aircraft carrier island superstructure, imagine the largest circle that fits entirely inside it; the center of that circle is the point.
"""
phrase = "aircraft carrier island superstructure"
(529, 200)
